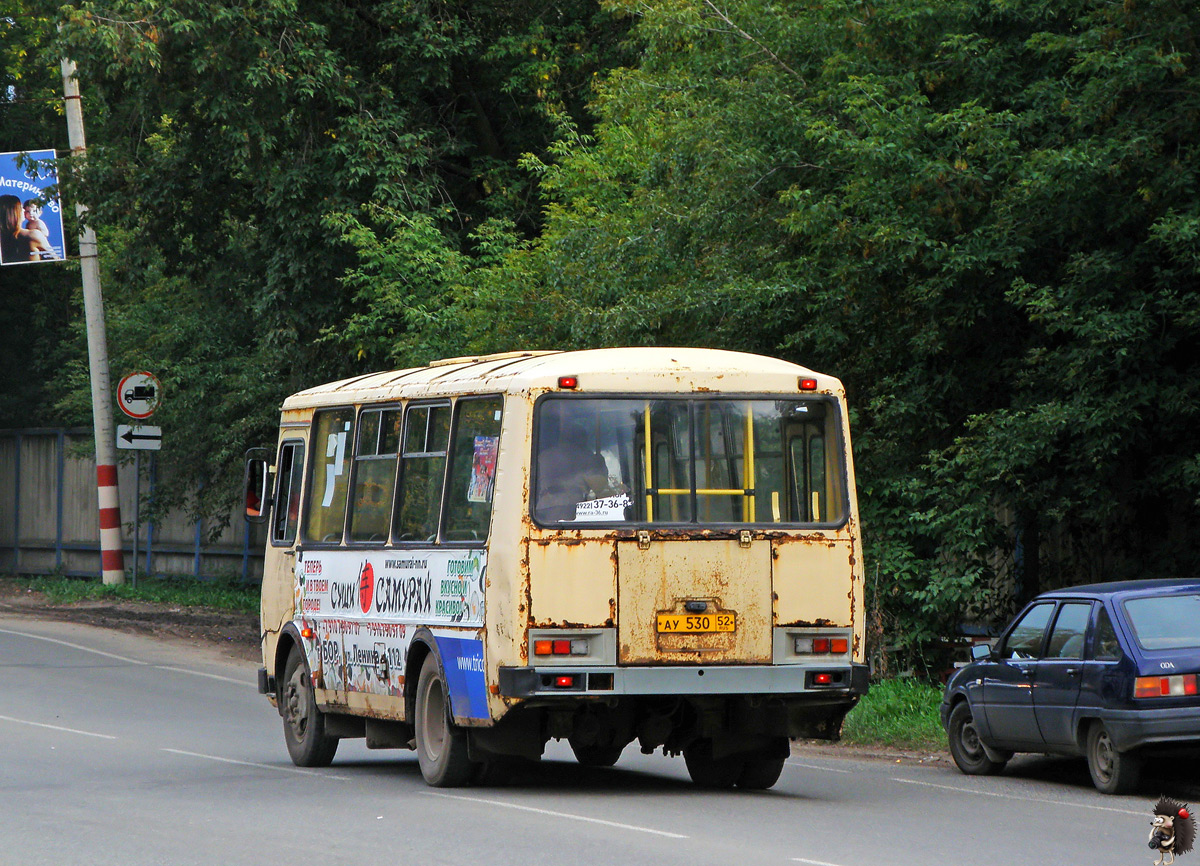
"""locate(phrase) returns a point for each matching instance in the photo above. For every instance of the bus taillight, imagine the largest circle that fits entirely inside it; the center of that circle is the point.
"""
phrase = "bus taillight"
(560, 647)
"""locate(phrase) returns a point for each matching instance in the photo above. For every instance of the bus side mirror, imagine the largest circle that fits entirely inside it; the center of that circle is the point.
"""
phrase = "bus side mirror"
(256, 485)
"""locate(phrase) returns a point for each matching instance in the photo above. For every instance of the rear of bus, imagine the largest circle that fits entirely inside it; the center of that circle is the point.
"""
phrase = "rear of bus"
(692, 564)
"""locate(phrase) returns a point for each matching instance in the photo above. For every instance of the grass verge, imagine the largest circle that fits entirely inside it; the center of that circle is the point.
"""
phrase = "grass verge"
(180, 592)
(898, 713)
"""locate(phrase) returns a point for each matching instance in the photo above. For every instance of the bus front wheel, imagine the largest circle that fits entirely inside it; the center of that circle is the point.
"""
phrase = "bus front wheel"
(441, 745)
(303, 723)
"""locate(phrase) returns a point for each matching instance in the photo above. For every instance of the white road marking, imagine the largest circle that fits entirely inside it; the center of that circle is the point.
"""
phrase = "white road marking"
(56, 728)
(554, 814)
(127, 660)
(298, 770)
(1004, 796)
(792, 763)
(223, 679)
(80, 647)
(813, 862)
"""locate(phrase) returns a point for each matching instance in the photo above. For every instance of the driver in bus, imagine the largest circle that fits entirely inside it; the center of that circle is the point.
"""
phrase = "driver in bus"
(568, 470)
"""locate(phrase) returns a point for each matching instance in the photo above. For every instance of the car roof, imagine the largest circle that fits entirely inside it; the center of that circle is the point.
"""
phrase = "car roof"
(1124, 588)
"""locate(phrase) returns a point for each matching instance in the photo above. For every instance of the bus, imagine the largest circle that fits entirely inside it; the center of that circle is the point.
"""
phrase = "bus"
(650, 545)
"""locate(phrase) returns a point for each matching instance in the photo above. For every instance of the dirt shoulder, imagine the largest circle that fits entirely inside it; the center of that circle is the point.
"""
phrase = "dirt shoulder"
(823, 748)
(236, 634)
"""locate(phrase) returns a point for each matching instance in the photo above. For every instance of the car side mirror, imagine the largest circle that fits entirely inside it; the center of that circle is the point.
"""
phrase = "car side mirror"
(981, 652)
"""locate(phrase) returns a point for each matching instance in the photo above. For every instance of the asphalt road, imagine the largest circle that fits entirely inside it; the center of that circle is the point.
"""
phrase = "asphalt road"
(120, 749)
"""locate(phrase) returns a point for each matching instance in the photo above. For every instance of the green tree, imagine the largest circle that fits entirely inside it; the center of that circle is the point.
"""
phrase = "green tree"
(981, 215)
(243, 156)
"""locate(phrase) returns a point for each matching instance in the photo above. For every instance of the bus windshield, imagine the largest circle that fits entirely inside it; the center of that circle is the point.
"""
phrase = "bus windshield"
(592, 464)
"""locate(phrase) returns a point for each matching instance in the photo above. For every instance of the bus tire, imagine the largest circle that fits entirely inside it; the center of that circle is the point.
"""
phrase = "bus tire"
(304, 724)
(596, 755)
(441, 745)
(760, 773)
(709, 772)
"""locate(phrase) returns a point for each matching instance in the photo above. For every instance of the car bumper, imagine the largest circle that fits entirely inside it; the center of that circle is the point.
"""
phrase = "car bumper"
(1131, 729)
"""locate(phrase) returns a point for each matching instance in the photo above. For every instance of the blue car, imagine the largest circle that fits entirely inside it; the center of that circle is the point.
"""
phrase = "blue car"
(1109, 671)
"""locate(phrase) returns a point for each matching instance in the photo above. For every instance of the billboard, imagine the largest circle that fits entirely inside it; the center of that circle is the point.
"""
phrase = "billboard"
(31, 226)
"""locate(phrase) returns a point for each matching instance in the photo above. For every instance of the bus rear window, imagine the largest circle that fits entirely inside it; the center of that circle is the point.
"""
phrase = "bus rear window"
(712, 461)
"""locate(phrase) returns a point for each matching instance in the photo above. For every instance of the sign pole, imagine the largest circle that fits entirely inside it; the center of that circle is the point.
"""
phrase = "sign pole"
(137, 508)
(112, 559)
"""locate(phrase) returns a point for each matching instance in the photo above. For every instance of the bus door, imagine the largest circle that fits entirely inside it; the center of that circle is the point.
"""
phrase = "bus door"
(700, 594)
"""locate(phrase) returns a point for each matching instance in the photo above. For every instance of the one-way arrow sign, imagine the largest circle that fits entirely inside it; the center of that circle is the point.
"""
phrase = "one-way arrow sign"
(142, 438)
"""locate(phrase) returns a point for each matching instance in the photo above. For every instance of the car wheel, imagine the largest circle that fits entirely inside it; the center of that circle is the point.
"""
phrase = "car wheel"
(965, 746)
(304, 724)
(441, 745)
(709, 772)
(1112, 772)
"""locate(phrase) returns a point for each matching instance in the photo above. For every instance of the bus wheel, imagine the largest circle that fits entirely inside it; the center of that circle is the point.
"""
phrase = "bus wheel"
(597, 756)
(709, 772)
(441, 746)
(303, 723)
(760, 773)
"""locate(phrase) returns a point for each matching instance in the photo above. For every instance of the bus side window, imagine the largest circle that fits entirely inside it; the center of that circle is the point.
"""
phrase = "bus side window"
(472, 469)
(287, 498)
(422, 470)
(325, 517)
(374, 474)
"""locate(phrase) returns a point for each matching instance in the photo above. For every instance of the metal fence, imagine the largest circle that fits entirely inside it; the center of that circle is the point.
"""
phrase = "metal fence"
(49, 517)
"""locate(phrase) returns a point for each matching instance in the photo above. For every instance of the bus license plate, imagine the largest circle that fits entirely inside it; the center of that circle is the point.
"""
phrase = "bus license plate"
(695, 623)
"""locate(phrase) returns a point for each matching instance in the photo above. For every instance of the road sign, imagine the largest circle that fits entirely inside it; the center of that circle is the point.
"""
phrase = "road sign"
(139, 394)
(139, 437)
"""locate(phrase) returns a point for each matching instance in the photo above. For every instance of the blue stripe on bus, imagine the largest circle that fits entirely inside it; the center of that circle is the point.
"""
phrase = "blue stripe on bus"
(462, 661)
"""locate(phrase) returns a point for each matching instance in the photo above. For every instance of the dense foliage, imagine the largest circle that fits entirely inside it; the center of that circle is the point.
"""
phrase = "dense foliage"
(981, 214)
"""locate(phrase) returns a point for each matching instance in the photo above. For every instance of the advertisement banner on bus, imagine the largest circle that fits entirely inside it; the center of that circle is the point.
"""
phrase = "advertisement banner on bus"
(31, 230)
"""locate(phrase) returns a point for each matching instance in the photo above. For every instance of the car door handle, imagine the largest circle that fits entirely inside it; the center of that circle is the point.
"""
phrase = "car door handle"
(1072, 672)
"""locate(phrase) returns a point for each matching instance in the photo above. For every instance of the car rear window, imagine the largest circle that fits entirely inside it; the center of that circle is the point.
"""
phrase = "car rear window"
(1165, 622)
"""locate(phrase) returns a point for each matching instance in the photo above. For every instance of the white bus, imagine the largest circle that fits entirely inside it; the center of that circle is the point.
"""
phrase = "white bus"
(606, 546)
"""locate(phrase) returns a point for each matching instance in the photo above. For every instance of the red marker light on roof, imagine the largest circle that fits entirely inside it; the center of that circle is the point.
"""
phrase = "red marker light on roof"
(805, 384)
(568, 381)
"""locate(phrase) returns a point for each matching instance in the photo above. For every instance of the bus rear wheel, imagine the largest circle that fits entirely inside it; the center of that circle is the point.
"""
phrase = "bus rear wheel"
(304, 724)
(760, 773)
(709, 772)
(441, 745)
(597, 755)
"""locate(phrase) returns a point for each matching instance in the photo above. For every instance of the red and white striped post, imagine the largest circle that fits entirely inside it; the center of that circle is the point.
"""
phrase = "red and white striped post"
(112, 558)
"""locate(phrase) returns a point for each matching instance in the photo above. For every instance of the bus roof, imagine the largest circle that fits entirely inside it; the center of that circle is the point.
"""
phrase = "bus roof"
(623, 370)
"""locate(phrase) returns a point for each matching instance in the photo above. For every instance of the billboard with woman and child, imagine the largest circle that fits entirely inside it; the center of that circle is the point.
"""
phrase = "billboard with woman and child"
(31, 226)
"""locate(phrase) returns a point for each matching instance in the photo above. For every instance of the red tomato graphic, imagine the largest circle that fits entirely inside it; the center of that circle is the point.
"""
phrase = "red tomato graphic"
(366, 587)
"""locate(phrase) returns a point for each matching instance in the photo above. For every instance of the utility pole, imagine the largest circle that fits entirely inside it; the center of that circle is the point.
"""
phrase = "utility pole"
(112, 559)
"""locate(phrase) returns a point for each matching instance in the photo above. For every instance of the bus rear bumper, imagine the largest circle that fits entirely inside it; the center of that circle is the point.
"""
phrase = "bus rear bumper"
(832, 681)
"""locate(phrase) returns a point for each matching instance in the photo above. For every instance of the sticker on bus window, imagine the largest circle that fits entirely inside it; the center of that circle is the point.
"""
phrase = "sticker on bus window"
(608, 508)
(483, 469)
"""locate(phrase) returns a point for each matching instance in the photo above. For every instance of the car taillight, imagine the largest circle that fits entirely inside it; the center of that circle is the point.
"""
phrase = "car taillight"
(1162, 687)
